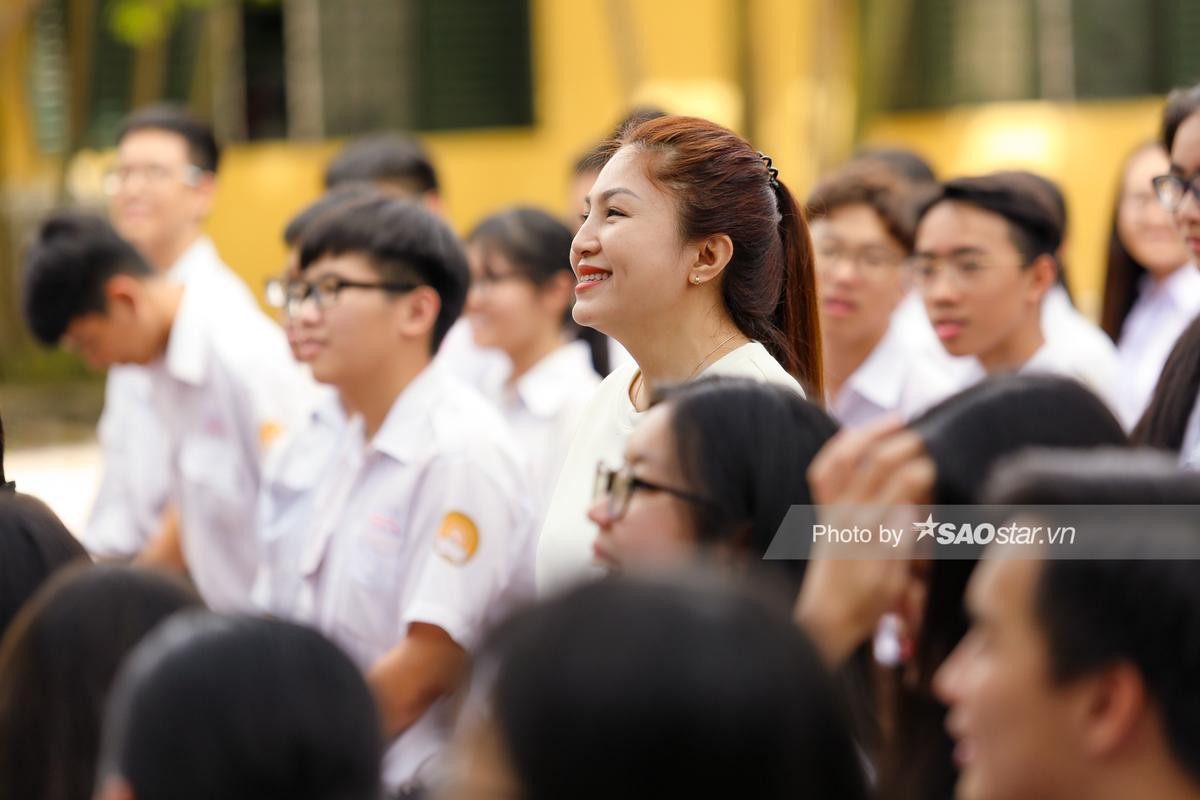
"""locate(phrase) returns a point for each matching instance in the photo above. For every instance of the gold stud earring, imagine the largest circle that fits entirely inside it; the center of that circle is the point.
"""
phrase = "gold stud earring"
(696, 280)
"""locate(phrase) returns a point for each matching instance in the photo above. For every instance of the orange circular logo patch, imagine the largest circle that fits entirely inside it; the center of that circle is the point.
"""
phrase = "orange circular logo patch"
(457, 538)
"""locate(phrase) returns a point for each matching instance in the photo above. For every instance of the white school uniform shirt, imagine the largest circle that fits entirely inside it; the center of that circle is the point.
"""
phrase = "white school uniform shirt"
(292, 473)
(1080, 346)
(428, 522)
(459, 356)
(1054, 359)
(1153, 325)
(226, 388)
(543, 408)
(895, 378)
(564, 548)
(132, 496)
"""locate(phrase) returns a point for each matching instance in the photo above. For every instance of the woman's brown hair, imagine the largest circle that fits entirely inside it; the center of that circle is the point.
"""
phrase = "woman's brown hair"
(722, 185)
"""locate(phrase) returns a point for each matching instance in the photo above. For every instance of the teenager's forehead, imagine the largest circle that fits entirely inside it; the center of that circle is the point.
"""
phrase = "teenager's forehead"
(963, 224)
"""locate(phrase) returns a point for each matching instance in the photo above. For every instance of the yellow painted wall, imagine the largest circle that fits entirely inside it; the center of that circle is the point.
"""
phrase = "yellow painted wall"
(681, 54)
(595, 58)
(1079, 145)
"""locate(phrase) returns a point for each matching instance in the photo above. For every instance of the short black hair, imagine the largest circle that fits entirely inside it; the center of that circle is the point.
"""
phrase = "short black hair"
(57, 664)
(863, 183)
(1035, 225)
(402, 240)
(1139, 605)
(907, 164)
(65, 269)
(1181, 104)
(202, 146)
(385, 158)
(689, 689)
(242, 709)
(332, 199)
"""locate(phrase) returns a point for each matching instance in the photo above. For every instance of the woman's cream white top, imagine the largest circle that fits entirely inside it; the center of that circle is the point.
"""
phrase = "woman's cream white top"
(564, 553)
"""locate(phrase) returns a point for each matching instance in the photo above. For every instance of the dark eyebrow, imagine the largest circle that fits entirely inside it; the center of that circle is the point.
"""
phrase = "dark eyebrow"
(958, 251)
(607, 194)
(1178, 171)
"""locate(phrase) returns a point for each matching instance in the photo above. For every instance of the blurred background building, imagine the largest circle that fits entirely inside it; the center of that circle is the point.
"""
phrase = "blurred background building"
(506, 93)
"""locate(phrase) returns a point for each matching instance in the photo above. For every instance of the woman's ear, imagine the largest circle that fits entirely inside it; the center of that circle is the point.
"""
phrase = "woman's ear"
(713, 254)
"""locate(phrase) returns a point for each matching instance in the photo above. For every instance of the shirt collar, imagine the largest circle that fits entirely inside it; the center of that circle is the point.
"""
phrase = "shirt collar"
(403, 433)
(201, 255)
(1182, 288)
(880, 379)
(187, 357)
(549, 384)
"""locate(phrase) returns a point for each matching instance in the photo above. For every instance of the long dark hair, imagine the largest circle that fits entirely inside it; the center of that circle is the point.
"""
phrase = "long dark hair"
(539, 248)
(1165, 420)
(56, 666)
(745, 446)
(966, 435)
(723, 185)
(1123, 272)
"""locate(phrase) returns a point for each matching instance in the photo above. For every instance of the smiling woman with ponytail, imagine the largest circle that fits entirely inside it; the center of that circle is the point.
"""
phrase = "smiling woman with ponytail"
(695, 256)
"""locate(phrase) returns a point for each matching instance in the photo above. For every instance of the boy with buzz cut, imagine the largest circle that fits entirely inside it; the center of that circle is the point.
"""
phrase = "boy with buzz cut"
(420, 532)
(223, 385)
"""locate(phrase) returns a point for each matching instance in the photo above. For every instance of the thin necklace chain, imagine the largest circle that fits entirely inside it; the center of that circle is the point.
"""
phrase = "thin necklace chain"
(640, 381)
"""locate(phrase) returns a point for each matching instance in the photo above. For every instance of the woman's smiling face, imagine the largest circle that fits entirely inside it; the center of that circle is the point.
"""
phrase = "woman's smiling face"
(628, 257)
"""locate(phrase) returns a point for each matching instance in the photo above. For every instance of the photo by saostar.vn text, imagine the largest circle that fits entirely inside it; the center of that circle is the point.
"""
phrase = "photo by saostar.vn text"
(954, 532)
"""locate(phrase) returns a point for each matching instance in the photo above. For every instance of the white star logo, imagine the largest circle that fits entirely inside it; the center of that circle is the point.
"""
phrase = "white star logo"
(925, 528)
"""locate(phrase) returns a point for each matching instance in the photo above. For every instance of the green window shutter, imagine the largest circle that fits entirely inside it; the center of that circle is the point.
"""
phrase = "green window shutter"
(475, 64)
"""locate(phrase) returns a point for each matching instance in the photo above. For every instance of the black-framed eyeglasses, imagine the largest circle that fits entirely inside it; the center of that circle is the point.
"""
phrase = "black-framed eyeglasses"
(615, 487)
(290, 294)
(1171, 189)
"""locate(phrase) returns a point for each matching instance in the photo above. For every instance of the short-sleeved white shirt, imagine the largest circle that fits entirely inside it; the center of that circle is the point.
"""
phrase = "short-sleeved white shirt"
(1079, 346)
(428, 522)
(895, 378)
(543, 408)
(292, 472)
(564, 548)
(225, 390)
(133, 491)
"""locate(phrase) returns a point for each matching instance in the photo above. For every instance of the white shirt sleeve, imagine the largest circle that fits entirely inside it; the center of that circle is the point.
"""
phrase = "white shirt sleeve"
(474, 551)
(134, 489)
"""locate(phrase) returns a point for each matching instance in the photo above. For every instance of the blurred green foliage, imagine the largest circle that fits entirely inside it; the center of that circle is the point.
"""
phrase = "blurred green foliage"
(139, 22)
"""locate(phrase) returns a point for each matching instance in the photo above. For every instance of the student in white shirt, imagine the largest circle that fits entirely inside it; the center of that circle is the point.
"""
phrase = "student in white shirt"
(983, 261)
(862, 233)
(298, 464)
(522, 290)
(161, 191)
(400, 166)
(420, 531)
(1074, 338)
(1151, 290)
(223, 385)
(696, 258)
